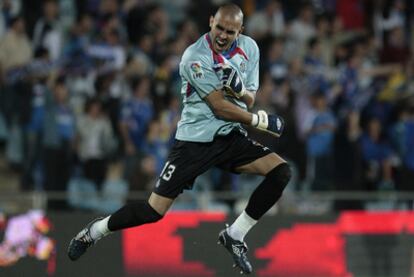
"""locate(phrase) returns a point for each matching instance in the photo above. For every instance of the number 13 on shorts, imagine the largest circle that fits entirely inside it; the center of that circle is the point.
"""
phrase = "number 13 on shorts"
(167, 171)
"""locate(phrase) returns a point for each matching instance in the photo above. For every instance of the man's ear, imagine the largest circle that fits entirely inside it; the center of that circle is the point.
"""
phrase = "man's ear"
(211, 21)
(241, 30)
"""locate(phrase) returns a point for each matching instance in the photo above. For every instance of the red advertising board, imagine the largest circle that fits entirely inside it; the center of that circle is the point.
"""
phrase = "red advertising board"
(349, 244)
(302, 249)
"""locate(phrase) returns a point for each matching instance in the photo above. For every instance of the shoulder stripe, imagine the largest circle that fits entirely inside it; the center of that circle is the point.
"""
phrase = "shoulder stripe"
(239, 51)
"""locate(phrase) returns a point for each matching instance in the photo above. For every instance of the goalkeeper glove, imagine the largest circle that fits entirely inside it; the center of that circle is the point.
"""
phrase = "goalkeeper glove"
(270, 123)
(232, 83)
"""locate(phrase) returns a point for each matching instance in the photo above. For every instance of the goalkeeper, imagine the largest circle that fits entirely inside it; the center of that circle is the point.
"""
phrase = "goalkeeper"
(220, 75)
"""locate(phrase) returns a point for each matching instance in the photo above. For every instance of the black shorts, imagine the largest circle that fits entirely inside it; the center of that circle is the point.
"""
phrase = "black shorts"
(187, 160)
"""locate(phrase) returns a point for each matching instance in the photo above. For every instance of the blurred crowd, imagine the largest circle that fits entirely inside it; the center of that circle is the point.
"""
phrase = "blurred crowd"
(90, 92)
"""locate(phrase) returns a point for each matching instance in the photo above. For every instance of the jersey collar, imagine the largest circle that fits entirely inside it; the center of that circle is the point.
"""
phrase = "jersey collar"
(230, 53)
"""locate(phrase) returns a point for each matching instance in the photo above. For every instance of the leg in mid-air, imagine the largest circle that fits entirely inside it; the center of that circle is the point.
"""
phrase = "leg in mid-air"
(277, 175)
(130, 215)
(182, 167)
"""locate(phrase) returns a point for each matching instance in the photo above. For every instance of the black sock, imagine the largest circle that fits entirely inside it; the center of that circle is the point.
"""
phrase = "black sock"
(268, 191)
(133, 214)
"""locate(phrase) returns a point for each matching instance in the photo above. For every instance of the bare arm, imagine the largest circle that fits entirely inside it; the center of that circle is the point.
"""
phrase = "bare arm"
(248, 98)
(227, 110)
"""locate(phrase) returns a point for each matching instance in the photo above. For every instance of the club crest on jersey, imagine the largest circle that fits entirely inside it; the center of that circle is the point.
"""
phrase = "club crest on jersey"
(242, 67)
(196, 69)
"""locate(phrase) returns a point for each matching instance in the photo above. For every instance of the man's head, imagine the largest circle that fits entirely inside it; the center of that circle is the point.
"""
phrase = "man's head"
(226, 25)
(17, 24)
(50, 9)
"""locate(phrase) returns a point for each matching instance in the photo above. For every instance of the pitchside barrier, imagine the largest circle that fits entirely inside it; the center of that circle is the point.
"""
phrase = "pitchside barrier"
(345, 244)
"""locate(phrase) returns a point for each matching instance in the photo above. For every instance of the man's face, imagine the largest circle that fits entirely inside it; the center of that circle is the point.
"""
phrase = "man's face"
(51, 10)
(224, 31)
(19, 26)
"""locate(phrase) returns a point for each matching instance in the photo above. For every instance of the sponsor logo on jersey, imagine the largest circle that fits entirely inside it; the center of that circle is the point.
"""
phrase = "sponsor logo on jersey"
(196, 69)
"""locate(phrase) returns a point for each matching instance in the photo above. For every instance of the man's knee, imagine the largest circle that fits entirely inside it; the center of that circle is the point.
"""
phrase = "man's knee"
(280, 175)
(154, 216)
(133, 214)
(269, 191)
(160, 204)
(143, 212)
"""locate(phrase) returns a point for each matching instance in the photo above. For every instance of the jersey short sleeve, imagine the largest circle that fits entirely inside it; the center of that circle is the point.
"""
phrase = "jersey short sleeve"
(252, 76)
(200, 75)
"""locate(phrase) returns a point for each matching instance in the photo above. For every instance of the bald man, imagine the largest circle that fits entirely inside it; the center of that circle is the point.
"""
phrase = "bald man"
(220, 77)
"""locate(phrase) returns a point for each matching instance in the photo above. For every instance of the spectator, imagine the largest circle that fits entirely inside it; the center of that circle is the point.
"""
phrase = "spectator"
(396, 49)
(105, 10)
(59, 137)
(75, 50)
(269, 21)
(47, 31)
(8, 10)
(169, 118)
(402, 137)
(67, 14)
(320, 144)
(302, 90)
(316, 69)
(350, 86)
(109, 53)
(95, 142)
(341, 36)
(188, 30)
(109, 89)
(301, 30)
(15, 46)
(142, 55)
(376, 154)
(275, 62)
(156, 145)
(33, 130)
(324, 36)
(388, 16)
(163, 82)
(136, 114)
(177, 10)
(348, 159)
(157, 23)
(144, 175)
